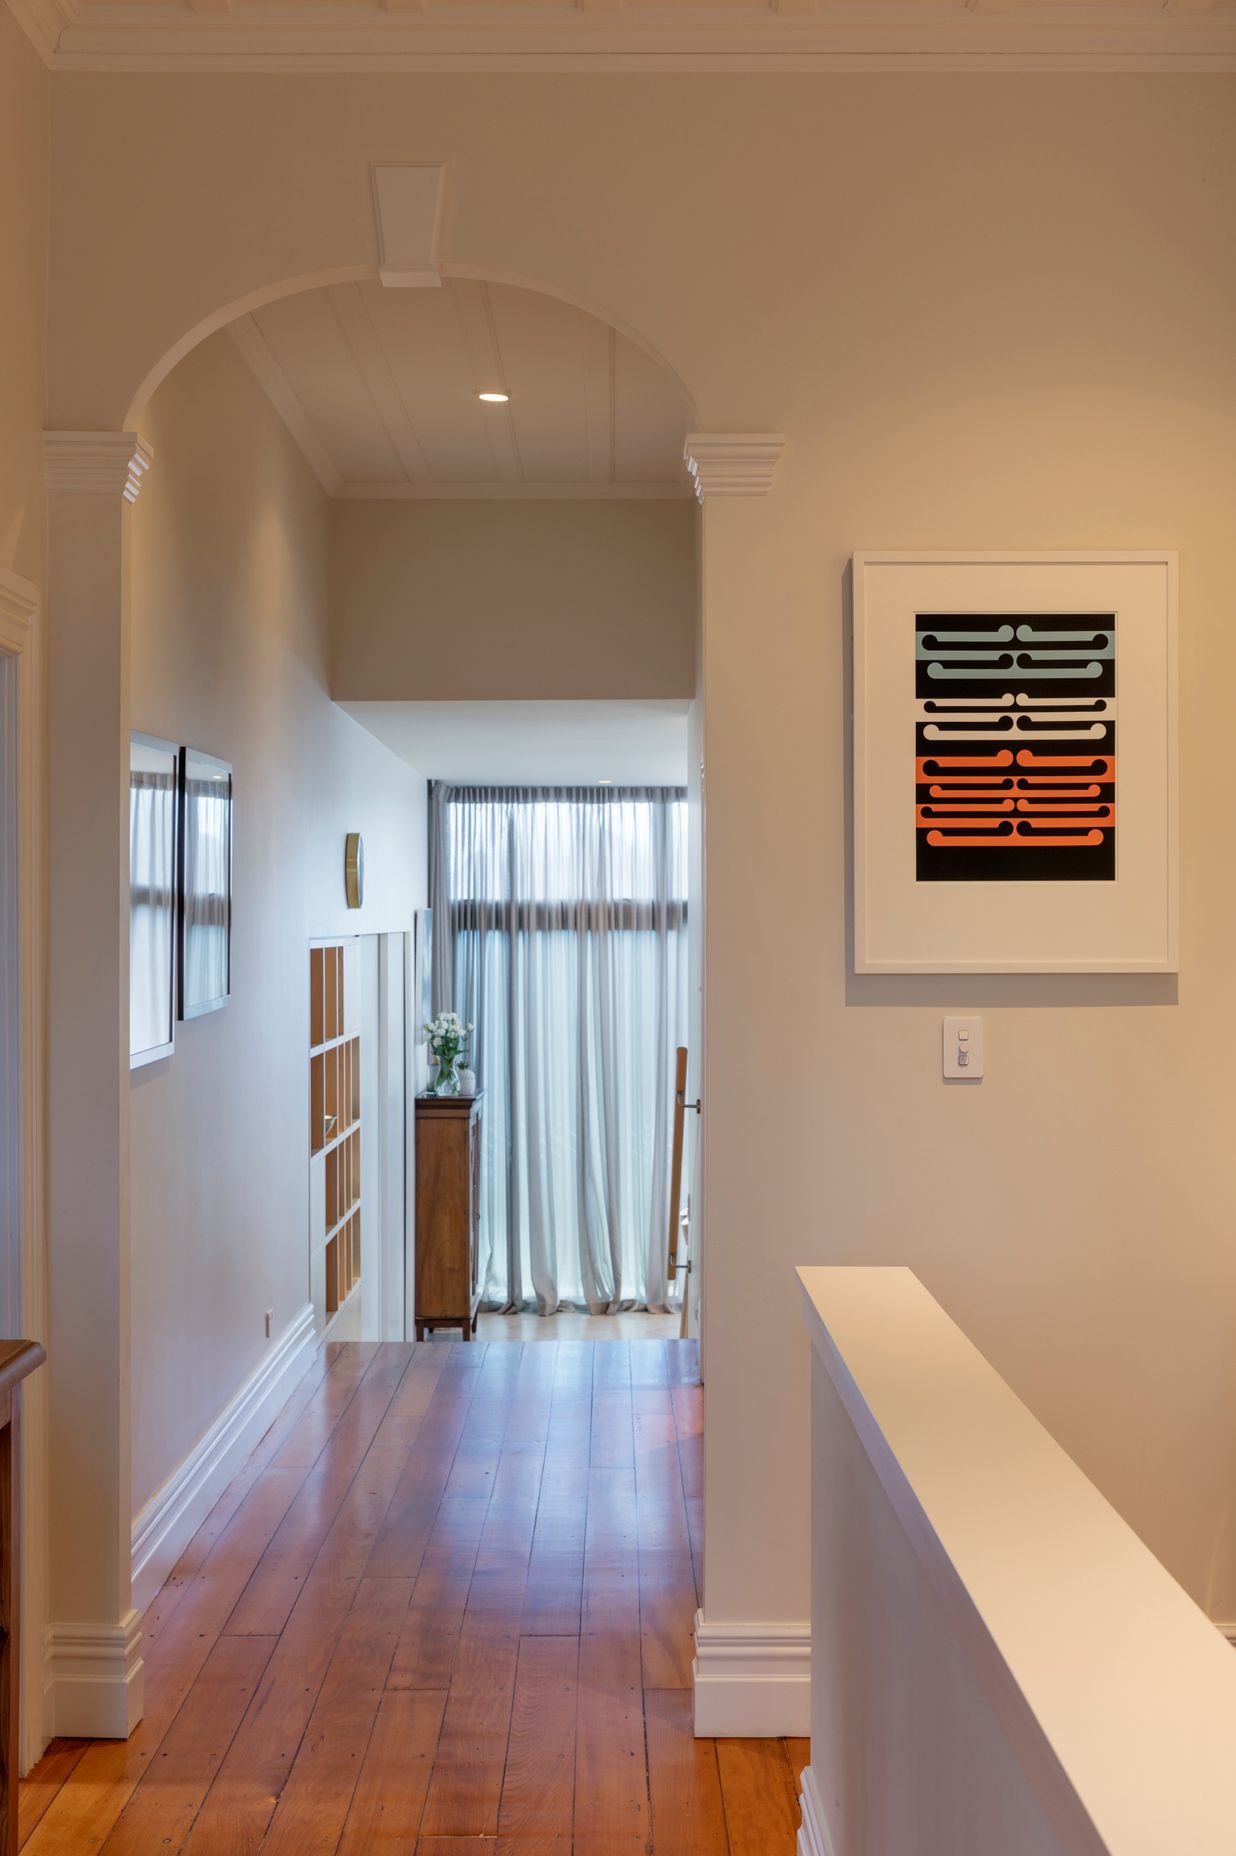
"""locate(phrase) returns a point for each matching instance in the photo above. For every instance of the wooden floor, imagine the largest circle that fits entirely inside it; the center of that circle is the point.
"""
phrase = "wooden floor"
(449, 1598)
(638, 1325)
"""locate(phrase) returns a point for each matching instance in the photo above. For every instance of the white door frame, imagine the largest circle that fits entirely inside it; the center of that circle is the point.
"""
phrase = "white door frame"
(21, 640)
(393, 1068)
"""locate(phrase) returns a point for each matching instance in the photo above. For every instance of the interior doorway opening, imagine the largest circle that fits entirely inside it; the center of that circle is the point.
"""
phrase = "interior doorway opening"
(559, 861)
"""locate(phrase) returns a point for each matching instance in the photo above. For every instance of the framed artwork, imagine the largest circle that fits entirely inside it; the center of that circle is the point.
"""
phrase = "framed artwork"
(153, 825)
(1015, 753)
(205, 883)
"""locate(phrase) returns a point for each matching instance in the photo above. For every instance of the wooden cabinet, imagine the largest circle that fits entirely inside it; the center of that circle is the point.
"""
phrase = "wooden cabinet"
(448, 1154)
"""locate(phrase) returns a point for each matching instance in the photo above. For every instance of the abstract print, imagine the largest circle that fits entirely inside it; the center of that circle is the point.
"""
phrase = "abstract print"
(1015, 748)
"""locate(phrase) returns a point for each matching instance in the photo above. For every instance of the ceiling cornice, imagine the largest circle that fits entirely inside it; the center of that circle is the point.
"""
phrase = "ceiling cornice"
(573, 492)
(43, 21)
(853, 35)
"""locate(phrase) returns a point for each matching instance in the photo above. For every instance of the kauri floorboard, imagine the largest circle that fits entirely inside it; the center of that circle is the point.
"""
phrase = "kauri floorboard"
(444, 1609)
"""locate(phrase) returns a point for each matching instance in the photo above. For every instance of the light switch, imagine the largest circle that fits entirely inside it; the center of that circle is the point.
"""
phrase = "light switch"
(963, 1048)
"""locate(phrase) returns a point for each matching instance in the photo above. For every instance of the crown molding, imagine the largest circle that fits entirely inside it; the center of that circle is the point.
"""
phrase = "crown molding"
(19, 601)
(732, 463)
(96, 463)
(851, 35)
(574, 492)
(43, 21)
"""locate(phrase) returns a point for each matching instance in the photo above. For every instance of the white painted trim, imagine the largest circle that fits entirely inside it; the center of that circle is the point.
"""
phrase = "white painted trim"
(21, 636)
(96, 1676)
(732, 463)
(894, 35)
(813, 1837)
(174, 1513)
(407, 204)
(96, 463)
(43, 21)
(753, 1680)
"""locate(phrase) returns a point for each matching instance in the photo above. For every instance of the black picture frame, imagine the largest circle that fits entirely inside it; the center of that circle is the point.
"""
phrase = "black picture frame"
(204, 887)
(154, 897)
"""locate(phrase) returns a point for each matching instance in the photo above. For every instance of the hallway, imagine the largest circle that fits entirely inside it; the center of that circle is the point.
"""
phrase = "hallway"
(449, 1598)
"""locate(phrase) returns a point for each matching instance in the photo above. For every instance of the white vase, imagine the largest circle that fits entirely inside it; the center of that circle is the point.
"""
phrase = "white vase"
(467, 1082)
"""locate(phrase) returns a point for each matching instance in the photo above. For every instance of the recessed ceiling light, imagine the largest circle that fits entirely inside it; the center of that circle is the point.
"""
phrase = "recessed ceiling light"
(605, 782)
(495, 398)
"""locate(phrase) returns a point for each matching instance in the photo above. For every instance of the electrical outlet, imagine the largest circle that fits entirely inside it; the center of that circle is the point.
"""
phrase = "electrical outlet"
(270, 1315)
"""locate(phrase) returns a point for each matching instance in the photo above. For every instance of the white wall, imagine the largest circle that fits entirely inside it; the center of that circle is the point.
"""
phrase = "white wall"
(23, 302)
(455, 600)
(988, 311)
(229, 654)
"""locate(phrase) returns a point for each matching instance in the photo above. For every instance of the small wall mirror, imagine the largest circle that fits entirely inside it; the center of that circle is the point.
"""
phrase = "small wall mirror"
(205, 883)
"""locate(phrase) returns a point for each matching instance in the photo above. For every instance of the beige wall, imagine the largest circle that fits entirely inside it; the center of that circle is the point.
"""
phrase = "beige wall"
(988, 311)
(23, 301)
(481, 600)
(229, 654)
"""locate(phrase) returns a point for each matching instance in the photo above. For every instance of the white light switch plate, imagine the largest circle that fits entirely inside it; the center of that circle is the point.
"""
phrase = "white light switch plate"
(963, 1048)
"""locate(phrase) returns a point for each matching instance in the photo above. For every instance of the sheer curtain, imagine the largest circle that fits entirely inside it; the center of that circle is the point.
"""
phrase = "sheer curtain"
(560, 930)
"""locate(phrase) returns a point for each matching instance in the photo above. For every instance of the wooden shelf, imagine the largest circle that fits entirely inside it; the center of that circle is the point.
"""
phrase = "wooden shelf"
(343, 1263)
(334, 1131)
(334, 1092)
(325, 994)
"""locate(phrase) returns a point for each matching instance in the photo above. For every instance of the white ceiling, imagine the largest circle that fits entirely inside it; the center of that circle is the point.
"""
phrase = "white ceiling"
(535, 743)
(379, 387)
(491, 35)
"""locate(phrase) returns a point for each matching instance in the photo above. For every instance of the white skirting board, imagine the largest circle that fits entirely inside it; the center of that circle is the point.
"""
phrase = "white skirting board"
(95, 1676)
(813, 1837)
(173, 1515)
(752, 1680)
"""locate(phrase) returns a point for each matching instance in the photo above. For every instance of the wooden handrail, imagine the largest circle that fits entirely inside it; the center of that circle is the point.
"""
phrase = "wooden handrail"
(18, 1358)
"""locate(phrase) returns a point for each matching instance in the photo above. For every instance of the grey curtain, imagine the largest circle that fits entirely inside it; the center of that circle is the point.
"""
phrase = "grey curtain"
(560, 931)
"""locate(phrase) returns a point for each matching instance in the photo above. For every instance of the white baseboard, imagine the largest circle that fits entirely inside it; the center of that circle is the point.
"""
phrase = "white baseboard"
(95, 1676)
(813, 1837)
(752, 1680)
(172, 1516)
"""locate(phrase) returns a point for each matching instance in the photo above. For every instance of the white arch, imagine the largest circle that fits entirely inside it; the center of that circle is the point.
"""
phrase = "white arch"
(361, 273)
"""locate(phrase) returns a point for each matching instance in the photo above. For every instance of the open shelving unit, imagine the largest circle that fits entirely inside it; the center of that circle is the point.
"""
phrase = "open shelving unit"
(334, 1130)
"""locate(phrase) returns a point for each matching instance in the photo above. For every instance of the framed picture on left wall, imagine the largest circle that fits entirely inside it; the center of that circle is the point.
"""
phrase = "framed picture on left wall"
(205, 883)
(153, 826)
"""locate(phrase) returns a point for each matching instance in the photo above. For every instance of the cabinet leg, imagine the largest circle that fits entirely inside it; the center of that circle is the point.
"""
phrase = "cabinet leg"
(467, 1330)
(420, 1330)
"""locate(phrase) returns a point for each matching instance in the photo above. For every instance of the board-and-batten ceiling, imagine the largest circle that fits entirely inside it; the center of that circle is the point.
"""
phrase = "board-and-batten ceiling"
(391, 35)
(379, 388)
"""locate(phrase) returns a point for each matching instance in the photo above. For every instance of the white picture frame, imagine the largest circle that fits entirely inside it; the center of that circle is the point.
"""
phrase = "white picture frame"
(1125, 924)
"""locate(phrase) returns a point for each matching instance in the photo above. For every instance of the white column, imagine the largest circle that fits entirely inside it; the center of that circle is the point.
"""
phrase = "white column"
(94, 1639)
(752, 1668)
